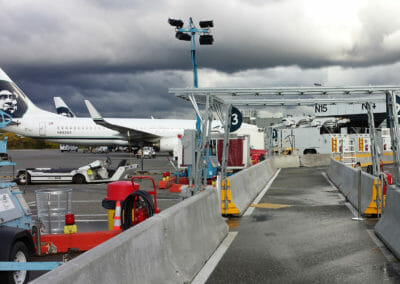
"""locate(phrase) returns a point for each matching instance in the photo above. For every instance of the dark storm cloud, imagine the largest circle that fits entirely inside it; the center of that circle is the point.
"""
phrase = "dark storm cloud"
(121, 95)
(123, 56)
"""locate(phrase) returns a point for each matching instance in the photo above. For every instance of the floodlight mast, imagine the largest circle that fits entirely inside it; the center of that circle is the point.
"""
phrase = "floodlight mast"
(189, 34)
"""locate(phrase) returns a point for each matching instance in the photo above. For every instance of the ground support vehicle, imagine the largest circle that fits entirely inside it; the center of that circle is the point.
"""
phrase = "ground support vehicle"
(96, 172)
(17, 244)
(68, 148)
(146, 152)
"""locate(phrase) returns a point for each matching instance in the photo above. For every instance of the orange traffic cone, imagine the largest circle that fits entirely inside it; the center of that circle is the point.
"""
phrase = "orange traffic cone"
(117, 216)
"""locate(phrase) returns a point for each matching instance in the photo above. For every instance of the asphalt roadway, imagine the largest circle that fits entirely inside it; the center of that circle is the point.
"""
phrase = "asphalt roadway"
(302, 232)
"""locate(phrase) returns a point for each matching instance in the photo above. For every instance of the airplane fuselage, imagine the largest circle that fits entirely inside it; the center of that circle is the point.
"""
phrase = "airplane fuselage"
(84, 131)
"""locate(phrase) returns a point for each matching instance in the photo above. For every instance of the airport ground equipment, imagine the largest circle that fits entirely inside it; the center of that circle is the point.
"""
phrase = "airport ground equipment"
(137, 205)
(68, 148)
(146, 152)
(96, 172)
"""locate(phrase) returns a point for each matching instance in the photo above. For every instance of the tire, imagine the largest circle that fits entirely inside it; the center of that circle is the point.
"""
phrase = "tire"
(78, 179)
(20, 253)
(23, 178)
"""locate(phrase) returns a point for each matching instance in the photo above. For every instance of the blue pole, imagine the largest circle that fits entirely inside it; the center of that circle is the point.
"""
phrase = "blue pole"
(193, 53)
(192, 31)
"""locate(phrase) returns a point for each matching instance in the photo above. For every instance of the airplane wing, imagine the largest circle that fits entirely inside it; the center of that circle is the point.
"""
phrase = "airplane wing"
(130, 132)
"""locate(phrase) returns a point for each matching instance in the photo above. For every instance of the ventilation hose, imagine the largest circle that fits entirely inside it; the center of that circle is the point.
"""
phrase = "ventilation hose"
(142, 200)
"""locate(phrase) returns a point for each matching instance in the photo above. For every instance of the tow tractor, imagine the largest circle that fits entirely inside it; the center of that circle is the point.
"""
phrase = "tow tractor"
(95, 172)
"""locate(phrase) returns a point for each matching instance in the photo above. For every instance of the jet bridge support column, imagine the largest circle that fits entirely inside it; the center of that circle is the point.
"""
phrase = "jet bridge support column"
(394, 132)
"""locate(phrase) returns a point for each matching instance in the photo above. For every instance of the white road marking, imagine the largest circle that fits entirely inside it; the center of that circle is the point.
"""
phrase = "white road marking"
(250, 210)
(210, 265)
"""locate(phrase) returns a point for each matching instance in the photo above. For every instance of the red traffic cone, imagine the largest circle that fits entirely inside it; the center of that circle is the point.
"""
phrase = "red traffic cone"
(117, 216)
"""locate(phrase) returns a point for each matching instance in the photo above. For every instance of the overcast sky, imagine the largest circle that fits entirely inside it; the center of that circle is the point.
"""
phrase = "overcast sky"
(123, 56)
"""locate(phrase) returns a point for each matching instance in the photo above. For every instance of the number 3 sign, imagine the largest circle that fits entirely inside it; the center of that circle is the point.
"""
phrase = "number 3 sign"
(236, 119)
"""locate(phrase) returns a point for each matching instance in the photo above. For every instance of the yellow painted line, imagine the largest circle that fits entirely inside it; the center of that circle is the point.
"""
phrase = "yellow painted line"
(270, 205)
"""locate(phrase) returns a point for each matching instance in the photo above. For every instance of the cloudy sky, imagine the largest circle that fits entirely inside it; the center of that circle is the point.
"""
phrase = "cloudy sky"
(123, 56)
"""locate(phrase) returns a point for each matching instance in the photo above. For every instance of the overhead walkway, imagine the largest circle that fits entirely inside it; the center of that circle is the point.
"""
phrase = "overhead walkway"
(302, 231)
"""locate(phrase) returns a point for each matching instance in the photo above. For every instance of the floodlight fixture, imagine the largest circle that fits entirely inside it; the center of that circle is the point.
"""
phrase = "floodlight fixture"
(183, 36)
(176, 23)
(206, 39)
(206, 24)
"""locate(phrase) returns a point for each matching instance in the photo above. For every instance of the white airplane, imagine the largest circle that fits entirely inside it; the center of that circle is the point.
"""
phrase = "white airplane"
(32, 121)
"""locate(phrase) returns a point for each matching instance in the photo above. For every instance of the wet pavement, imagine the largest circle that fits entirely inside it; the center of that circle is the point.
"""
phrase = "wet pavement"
(302, 232)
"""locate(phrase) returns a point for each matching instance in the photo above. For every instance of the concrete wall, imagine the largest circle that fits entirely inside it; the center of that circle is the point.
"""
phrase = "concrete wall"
(246, 184)
(315, 160)
(287, 161)
(170, 247)
(388, 227)
(347, 179)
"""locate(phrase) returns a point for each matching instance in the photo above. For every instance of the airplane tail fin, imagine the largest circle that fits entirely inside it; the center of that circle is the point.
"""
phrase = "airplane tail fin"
(12, 100)
(62, 107)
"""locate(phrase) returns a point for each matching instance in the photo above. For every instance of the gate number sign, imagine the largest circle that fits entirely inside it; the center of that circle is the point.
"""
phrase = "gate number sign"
(236, 119)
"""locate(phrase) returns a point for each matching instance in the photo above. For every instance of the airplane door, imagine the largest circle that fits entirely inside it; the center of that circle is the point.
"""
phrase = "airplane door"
(42, 129)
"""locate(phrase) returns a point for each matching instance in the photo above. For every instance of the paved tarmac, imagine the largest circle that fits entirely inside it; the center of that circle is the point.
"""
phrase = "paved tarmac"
(302, 232)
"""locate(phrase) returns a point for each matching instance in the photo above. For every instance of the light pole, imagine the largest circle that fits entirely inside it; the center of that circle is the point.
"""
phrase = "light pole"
(189, 34)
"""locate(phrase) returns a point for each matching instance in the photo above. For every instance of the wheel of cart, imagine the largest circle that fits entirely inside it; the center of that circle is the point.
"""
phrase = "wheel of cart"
(23, 177)
(139, 205)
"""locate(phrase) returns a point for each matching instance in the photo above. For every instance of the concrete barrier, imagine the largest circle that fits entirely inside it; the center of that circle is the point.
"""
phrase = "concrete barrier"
(315, 160)
(388, 227)
(287, 161)
(170, 247)
(347, 180)
(246, 184)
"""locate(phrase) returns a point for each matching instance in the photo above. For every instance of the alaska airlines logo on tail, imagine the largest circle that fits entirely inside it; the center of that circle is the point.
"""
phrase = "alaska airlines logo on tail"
(11, 100)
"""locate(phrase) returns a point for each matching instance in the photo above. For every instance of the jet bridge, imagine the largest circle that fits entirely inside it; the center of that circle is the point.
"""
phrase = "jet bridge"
(219, 102)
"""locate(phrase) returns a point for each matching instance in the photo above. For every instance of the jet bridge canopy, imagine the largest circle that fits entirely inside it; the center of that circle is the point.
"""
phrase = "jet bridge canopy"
(220, 100)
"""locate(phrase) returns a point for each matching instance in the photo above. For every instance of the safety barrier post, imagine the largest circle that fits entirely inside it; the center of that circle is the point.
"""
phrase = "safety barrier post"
(359, 218)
